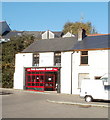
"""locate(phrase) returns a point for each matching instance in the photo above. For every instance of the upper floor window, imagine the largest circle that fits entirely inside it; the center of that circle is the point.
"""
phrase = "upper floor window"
(84, 57)
(57, 58)
(36, 59)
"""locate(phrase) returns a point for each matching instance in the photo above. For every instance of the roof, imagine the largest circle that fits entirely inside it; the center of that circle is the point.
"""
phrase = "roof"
(12, 34)
(96, 34)
(36, 34)
(93, 42)
(4, 27)
(58, 34)
(69, 44)
(46, 45)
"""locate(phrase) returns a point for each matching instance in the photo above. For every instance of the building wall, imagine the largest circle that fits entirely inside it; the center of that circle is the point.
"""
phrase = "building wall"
(45, 35)
(97, 66)
(21, 60)
(66, 72)
(68, 34)
(46, 59)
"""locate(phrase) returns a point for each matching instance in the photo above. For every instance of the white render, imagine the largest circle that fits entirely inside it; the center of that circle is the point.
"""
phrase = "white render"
(45, 35)
(68, 34)
(70, 67)
(21, 60)
(97, 66)
(46, 59)
(66, 72)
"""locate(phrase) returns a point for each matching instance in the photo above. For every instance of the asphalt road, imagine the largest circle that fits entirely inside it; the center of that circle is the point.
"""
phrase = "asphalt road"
(34, 105)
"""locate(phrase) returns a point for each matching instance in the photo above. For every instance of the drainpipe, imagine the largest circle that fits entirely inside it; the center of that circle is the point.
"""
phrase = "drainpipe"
(71, 69)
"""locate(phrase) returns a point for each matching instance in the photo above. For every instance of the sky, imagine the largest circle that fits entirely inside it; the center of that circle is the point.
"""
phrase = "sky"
(42, 16)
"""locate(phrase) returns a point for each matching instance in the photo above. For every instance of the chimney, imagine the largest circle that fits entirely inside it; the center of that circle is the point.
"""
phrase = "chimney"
(81, 34)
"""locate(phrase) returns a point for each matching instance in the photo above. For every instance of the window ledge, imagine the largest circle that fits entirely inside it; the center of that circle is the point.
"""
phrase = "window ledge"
(83, 65)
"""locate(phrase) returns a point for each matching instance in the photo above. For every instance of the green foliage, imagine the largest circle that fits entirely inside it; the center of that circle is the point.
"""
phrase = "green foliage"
(9, 49)
(73, 27)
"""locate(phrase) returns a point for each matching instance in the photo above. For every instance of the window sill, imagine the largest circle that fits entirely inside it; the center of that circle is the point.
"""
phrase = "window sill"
(83, 65)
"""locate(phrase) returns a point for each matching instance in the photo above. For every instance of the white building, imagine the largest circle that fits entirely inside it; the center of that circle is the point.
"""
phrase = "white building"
(62, 62)
(48, 35)
(68, 34)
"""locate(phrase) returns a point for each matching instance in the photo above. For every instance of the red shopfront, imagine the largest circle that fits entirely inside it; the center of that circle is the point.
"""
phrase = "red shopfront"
(42, 79)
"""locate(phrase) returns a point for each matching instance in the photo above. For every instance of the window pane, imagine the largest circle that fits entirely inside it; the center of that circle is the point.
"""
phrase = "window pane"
(57, 58)
(36, 59)
(84, 59)
(84, 53)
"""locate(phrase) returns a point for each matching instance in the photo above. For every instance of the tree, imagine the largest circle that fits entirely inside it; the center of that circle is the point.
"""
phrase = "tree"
(9, 49)
(73, 27)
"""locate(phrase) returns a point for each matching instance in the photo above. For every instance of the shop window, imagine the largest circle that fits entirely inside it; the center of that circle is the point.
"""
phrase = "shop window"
(57, 58)
(36, 59)
(84, 57)
(82, 76)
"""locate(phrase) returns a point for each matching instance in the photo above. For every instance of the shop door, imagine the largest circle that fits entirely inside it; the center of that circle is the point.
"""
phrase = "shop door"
(50, 82)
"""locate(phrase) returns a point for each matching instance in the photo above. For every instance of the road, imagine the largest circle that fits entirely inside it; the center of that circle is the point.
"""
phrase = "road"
(34, 105)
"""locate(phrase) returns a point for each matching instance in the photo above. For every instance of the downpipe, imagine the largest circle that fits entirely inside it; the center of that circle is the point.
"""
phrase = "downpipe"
(71, 69)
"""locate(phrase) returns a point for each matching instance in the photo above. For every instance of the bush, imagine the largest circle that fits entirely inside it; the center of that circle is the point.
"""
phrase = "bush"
(9, 49)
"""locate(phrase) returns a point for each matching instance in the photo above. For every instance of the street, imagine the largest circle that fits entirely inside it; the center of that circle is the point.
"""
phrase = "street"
(21, 104)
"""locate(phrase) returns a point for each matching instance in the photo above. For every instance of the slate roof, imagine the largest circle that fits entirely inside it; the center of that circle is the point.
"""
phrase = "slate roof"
(36, 34)
(69, 44)
(58, 34)
(46, 45)
(93, 42)
(4, 27)
(12, 34)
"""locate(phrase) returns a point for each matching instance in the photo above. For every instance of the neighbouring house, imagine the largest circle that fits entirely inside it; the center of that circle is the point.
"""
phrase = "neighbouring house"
(4, 29)
(60, 64)
(6, 33)
(68, 34)
(51, 34)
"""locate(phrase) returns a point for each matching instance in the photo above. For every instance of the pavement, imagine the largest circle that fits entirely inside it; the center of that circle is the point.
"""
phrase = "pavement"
(60, 98)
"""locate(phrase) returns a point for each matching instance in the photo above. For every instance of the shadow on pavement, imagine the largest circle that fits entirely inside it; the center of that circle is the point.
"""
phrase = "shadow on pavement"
(102, 101)
(5, 93)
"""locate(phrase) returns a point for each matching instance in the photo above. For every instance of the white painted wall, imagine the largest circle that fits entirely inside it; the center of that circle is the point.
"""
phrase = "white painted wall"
(45, 35)
(97, 66)
(21, 60)
(66, 72)
(46, 59)
(68, 34)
